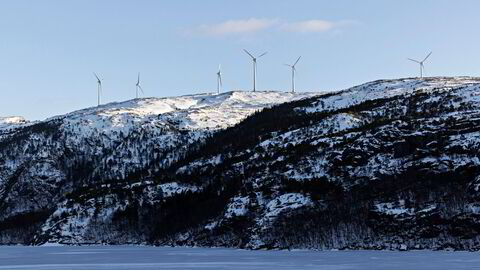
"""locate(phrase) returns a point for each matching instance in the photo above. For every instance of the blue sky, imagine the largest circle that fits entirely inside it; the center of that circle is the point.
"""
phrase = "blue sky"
(49, 49)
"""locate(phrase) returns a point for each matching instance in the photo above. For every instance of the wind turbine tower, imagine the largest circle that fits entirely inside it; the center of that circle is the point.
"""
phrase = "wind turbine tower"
(99, 88)
(219, 79)
(254, 67)
(293, 73)
(422, 66)
(137, 86)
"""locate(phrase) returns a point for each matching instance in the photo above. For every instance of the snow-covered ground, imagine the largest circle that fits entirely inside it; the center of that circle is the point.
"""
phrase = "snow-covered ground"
(132, 257)
(191, 112)
(390, 88)
(11, 121)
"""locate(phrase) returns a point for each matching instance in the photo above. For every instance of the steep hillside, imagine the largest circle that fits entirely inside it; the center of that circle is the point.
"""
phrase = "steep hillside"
(388, 164)
(42, 162)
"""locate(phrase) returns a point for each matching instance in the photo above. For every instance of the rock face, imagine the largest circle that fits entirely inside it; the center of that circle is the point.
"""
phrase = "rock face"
(389, 164)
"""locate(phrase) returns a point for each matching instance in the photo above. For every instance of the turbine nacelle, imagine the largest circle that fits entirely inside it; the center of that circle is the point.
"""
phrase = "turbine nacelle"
(99, 81)
(99, 88)
(254, 59)
(137, 86)
(421, 63)
(219, 79)
(293, 72)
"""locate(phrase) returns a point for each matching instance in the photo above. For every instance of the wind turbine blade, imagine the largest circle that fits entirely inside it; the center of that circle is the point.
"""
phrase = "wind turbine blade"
(427, 57)
(262, 54)
(220, 78)
(297, 60)
(288, 65)
(98, 79)
(249, 54)
(141, 89)
(219, 67)
(138, 79)
(416, 61)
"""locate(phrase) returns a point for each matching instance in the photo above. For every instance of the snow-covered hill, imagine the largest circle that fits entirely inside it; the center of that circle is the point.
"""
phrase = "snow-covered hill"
(41, 161)
(387, 164)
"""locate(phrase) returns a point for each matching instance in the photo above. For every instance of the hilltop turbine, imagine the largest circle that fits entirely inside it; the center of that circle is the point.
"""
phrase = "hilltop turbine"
(137, 86)
(422, 67)
(99, 88)
(219, 79)
(254, 67)
(293, 73)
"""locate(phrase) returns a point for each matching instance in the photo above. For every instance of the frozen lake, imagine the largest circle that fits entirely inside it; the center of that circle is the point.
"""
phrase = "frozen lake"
(130, 257)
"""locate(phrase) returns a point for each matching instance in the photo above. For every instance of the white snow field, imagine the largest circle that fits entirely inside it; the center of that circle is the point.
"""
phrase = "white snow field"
(138, 258)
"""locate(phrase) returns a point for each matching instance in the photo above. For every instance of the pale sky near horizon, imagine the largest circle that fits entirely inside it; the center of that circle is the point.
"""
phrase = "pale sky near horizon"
(49, 48)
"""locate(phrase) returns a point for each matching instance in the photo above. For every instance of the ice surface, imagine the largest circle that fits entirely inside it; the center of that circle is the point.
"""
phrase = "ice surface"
(133, 257)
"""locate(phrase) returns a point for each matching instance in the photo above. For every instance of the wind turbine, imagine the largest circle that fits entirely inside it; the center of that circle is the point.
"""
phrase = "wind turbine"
(293, 73)
(219, 79)
(254, 67)
(99, 88)
(422, 67)
(137, 86)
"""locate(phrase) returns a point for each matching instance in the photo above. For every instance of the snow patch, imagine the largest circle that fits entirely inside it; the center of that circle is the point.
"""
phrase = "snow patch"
(394, 208)
(237, 207)
(173, 188)
(284, 202)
